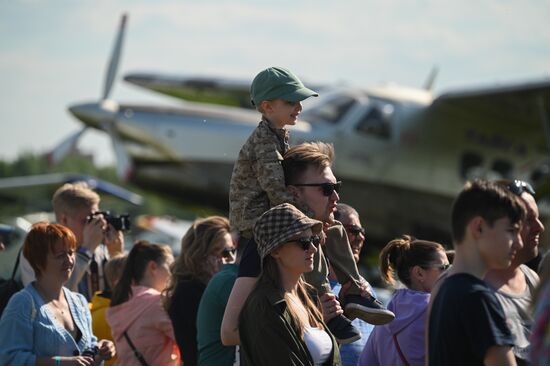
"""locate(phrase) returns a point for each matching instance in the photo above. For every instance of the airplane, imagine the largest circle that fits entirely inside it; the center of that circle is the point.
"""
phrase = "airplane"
(402, 153)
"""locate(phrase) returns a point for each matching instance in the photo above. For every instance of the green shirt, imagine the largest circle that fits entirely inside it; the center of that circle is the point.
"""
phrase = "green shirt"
(209, 319)
(268, 336)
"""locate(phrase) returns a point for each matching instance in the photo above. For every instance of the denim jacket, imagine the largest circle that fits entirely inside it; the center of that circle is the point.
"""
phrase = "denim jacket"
(28, 331)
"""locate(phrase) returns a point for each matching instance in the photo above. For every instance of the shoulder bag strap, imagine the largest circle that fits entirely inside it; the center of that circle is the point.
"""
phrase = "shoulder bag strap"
(137, 353)
(399, 352)
(16, 264)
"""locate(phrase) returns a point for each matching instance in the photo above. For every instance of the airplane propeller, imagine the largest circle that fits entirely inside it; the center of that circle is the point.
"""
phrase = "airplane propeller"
(107, 109)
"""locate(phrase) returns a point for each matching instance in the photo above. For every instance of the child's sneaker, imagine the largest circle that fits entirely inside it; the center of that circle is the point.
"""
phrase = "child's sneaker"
(367, 309)
(342, 329)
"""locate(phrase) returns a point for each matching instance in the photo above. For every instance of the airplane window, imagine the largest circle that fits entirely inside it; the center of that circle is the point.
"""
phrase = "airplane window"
(377, 122)
(503, 167)
(470, 163)
(331, 112)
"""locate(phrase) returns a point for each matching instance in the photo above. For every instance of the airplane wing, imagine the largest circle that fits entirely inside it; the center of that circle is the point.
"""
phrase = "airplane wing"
(12, 185)
(211, 90)
(527, 104)
(223, 91)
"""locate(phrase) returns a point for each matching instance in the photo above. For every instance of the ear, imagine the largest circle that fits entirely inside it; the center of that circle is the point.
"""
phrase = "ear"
(152, 266)
(475, 227)
(295, 191)
(62, 218)
(418, 273)
(266, 106)
(276, 253)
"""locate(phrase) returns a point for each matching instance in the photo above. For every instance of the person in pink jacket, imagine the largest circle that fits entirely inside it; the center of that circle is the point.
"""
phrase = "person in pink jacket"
(140, 326)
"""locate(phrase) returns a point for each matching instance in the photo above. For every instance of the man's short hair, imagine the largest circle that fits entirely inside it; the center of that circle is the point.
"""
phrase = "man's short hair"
(73, 196)
(487, 200)
(344, 210)
(41, 240)
(300, 157)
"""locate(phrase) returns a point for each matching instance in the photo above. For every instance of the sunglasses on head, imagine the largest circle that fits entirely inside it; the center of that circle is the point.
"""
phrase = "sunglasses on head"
(327, 188)
(306, 242)
(518, 187)
(228, 252)
(355, 229)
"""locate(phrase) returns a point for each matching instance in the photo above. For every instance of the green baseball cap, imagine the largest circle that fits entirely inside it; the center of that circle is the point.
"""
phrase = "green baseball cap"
(278, 83)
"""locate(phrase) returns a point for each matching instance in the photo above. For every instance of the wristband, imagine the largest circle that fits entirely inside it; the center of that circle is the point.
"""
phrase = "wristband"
(57, 360)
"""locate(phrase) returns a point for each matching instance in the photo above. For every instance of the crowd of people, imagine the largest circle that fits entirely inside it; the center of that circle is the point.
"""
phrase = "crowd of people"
(277, 283)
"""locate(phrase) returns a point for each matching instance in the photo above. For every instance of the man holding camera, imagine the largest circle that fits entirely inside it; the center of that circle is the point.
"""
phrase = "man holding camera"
(76, 206)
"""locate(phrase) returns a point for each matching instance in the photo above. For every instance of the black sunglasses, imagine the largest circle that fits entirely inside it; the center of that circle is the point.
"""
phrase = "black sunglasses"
(518, 187)
(228, 252)
(355, 230)
(306, 242)
(327, 188)
(441, 267)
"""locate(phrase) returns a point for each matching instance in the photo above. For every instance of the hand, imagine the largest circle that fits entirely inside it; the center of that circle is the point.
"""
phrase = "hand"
(106, 349)
(365, 289)
(92, 234)
(330, 307)
(114, 240)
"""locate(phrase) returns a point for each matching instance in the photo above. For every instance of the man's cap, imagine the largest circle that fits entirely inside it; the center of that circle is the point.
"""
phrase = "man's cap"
(280, 224)
(278, 83)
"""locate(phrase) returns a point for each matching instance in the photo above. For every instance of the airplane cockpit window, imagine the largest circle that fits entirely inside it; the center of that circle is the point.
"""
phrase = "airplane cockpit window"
(331, 111)
(377, 121)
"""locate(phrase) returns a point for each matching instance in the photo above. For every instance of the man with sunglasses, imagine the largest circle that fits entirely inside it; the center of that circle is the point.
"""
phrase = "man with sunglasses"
(349, 217)
(514, 286)
(310, 179)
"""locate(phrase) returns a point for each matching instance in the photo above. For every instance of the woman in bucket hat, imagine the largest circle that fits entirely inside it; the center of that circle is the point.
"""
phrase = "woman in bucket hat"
(280, 324)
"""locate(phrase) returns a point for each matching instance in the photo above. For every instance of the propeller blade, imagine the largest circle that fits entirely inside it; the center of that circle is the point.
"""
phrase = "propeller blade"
(64, 148)
(115, 57)
(124, 164)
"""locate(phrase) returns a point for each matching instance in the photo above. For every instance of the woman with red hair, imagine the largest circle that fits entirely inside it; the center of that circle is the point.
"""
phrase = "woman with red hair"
(46, 323)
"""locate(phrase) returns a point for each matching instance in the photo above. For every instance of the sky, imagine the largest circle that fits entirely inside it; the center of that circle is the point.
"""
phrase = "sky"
(54, 53)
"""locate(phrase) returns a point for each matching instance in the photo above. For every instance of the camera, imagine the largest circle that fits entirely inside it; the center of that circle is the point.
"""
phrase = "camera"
(120, 223)
(90, 351)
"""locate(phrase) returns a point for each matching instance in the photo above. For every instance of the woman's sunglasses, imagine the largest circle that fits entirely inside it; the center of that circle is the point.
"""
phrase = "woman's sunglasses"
(441, 267)
(306, 242)
(327, 188)
(355, 229)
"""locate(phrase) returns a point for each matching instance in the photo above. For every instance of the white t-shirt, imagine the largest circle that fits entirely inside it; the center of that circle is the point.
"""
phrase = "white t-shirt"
(318, 343)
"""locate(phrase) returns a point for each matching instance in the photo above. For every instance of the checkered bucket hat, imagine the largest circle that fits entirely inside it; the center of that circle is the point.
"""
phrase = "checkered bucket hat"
(280, 224)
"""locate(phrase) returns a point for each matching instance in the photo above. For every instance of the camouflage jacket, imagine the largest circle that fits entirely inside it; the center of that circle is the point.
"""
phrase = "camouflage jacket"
(258, 181)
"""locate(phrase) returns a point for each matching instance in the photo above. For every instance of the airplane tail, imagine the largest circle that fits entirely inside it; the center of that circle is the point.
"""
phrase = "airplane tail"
(429, 83)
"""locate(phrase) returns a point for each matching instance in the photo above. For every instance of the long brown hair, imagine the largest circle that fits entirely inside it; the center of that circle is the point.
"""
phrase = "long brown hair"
(135, 265)
(402, 254)
(198, 243)
(271, 277)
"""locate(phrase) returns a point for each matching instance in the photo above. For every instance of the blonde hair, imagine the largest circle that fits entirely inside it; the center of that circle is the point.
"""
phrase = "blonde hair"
(199, 242)
(73, 196)
(402, 254)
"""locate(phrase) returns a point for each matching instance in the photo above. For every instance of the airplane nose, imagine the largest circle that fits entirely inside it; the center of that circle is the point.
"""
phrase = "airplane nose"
(95, 114)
